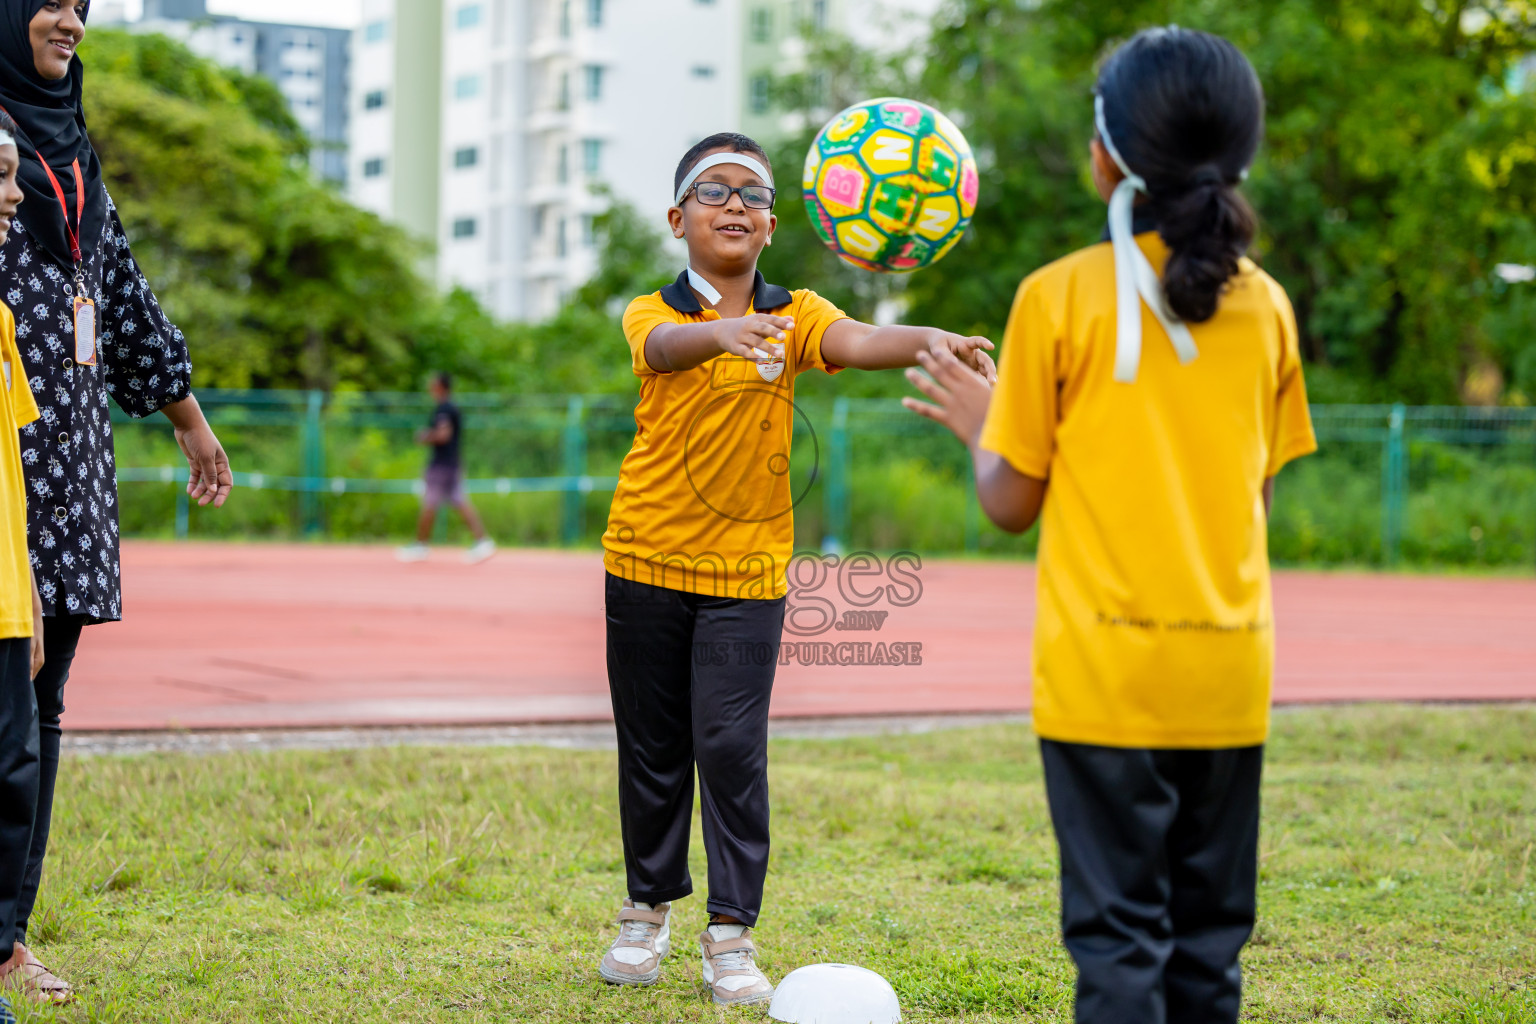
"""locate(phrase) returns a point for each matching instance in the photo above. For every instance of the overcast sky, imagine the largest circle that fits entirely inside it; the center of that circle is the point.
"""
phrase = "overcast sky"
(343, 13)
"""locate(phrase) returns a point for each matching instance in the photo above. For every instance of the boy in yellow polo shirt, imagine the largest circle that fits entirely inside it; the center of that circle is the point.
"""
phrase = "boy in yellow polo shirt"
(21, 609)
(1150, 390)
(698, 539)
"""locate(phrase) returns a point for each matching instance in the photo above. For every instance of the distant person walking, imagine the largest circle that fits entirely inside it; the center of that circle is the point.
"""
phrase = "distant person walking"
(87, 326)
(444, 480)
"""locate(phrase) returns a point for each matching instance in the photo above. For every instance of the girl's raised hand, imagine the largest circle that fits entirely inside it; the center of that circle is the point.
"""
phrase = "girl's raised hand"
(754, 336)
(960, 394)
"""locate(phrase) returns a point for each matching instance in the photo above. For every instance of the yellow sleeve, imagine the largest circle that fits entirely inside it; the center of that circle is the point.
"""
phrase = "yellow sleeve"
(813, 315)
(1291, 435)
(1021, 421)
(643, 316)
(22, 403)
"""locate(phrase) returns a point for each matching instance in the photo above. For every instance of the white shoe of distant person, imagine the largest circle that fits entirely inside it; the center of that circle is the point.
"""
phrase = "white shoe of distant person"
(412, 553)
(482, 549)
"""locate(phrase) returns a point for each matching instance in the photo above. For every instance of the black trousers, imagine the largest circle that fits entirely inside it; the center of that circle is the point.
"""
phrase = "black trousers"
(18, 780)
(1159, 867)
(61, 635)
(691, 677)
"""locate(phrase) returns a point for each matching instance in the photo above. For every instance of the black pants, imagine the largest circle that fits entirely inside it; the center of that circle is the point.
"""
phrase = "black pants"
(61, 634)
(691, 677)
(18, 780)
(1159, 866)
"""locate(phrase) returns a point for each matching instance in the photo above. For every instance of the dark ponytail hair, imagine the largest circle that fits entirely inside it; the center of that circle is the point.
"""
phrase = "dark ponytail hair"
(1186, 112)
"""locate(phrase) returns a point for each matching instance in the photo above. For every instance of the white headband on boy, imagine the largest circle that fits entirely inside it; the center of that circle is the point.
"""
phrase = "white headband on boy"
(6, 138)
(1134, 277)
(715, 161)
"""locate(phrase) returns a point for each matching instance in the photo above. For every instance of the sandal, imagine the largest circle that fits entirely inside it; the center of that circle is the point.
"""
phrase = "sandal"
(38, 983)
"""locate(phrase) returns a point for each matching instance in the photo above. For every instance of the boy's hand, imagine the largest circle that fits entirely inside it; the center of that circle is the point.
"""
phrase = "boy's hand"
(970, 351)
(753, 337)
(960, 393)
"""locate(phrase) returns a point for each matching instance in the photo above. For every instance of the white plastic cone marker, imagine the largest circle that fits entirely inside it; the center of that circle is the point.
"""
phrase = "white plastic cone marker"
(835, 994)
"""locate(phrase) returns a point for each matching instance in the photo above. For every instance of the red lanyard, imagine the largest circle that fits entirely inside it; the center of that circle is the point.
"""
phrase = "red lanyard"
(72, 233)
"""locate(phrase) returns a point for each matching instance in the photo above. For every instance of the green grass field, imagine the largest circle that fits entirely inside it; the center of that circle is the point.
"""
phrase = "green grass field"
(472, 885)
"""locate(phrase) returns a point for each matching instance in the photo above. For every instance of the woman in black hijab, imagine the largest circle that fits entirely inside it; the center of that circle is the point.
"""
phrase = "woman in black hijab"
(87, 326)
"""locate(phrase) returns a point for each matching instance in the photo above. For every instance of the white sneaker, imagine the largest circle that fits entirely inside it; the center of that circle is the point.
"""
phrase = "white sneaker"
(482, 549)
(645, 940)
(730, 967)
(412, 553)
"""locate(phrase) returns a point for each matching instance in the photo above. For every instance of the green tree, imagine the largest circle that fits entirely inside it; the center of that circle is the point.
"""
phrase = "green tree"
(276, 280)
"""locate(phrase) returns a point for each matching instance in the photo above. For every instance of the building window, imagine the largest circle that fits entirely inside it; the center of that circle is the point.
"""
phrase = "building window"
(703, 71)
(563, 166)
(466, 87)
(563, 97)
(592, 157)
(538, 222)
(762, 25)
(594, 13)
(560, 238)
(375, 31)
(465, 227)
(589, 231)
(374, 100)
(373, 168)
(594, 75)
(819, 14)
(467, 156)
(759, 93)
(565, 19)
(467, 16)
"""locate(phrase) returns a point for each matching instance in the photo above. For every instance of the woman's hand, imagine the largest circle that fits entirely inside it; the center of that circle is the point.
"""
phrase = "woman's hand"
(753, 337)
(209, 480)
(37, 627)
(960, 394)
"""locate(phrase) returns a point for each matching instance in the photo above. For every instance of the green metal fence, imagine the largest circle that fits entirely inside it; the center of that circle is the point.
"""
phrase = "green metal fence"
(1391, 484)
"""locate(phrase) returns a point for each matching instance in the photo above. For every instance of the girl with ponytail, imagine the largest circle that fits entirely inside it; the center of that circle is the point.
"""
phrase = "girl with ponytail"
(1150, 389)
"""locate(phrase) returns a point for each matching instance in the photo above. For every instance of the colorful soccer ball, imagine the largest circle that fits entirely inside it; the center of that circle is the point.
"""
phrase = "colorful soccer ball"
(890, 185)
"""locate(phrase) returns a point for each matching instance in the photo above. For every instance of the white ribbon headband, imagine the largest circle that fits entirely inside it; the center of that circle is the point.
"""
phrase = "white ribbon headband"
(1135, 280)
(715, 161)
(6, 138)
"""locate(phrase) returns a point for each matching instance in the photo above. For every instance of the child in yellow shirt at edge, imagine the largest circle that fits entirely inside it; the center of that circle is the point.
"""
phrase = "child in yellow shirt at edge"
(1150, 390)
(699, 536)
(21, 609)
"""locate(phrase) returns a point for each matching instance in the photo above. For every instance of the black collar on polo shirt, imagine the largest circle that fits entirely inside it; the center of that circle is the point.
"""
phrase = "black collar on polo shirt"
(679, 295)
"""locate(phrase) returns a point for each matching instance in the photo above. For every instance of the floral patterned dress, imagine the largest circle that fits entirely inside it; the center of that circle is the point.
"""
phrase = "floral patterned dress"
(142, 363)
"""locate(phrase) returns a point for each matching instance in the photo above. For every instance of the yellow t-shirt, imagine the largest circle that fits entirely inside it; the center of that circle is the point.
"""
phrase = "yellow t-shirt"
(17, 409)
(704, 502)
(1154, 625)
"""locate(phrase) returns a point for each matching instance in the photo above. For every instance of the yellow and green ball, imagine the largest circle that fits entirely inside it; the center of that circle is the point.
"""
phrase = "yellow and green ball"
(890, 185)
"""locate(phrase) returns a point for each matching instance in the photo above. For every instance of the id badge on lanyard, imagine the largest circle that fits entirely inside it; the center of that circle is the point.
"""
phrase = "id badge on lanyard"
(85, 309)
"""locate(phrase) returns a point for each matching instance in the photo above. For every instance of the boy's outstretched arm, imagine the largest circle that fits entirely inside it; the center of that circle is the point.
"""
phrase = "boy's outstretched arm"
(1009, 498)
(671, 348)
(867, 347)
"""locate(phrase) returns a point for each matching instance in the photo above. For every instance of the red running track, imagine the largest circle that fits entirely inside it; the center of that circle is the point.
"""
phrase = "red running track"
(271, 636)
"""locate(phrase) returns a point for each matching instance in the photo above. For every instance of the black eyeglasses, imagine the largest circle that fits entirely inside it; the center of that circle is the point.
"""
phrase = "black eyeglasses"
(716, 193)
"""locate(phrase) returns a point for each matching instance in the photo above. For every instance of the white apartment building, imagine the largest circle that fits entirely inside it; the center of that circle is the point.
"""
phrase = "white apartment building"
(498, 128)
